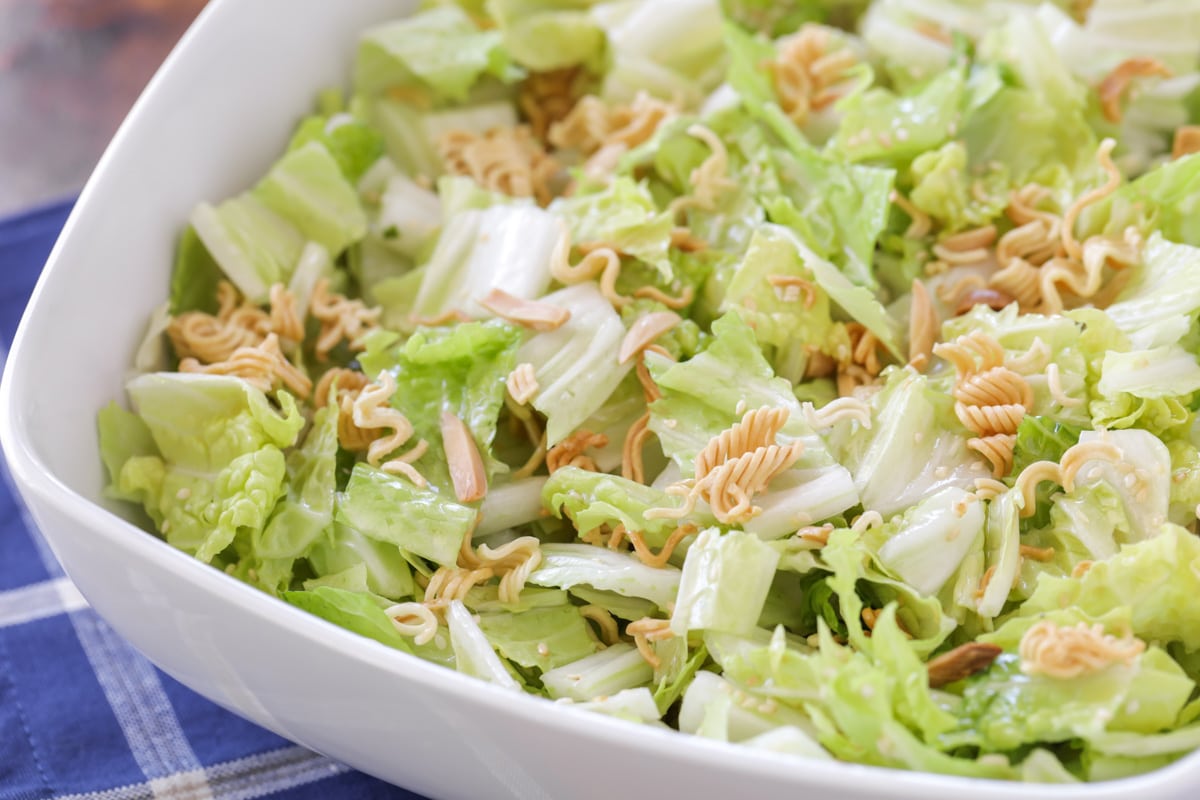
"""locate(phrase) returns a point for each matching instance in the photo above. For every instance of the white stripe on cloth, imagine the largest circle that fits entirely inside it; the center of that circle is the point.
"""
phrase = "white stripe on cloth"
(138, 700)
(38, 601)
(130, 684)
(243, 779)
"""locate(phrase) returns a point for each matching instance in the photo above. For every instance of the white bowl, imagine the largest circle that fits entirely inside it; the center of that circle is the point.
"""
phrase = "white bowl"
(214, 118)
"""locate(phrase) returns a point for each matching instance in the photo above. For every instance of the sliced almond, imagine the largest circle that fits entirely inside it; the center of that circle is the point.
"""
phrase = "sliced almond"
(466, 465)
(992, 298)
(923, 327)
(643, 333)
(527, 313)
(1187, 141)
(961, 662)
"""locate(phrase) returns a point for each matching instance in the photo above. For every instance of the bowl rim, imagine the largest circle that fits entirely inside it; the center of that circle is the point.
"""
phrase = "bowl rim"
(38, 485)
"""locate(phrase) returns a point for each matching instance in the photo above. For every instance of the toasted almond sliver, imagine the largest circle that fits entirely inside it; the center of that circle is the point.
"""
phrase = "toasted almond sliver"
(1187, 141)
(466, 465)
(643, 333)
(961, 662)
(528, 313)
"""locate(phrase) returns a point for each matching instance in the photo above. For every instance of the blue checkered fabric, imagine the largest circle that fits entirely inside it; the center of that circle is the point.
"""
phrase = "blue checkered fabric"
(83, 715)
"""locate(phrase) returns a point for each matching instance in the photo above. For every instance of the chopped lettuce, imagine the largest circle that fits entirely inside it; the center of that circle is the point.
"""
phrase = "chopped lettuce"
(544, 638)
(568, 565)
(460, 370)
(502, 247)
(438, 54)
(613, 669)
(724, 583)
(351, 610)
(219, 467)
(1153, 578)
(392, 509)
(576, 365)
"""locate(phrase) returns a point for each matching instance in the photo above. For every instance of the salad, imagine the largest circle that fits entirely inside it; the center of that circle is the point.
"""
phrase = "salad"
(816, 377)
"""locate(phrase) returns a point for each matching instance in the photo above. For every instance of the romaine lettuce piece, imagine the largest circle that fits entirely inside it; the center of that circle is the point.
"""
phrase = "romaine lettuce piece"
(350, 610)
(1159, 304)
(724, 583)
(392, 509)
(948, 191)
(510, 505)
(669, 49)
(220, 467)
(925, 546)
(342, 548)
(801, 497)
(567, 565)
(409, 217)
(461, 370)
(622, 215)
(592, 499)
(854, 566)
(473, 654)
(709, 710)
(576, 365)
(548, 34)
(787, 328)
(612, 670)
(1154, 578)
(354, 145)
(543, 638)
(439, 53)
(878, 124)
(503, 247)
(909, 453)
(123, 437)
(411, 133)
(307, 510)
(194, 277)
(307, 188)
(702, 396)
(254, 246)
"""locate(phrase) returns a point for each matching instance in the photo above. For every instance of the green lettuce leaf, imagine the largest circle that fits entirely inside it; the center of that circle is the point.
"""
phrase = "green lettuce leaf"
(350, 610)
(307, 510)
(543, 638)
(343, 548)
(1153, 578)
(592, 499)
(308, 188)
(548, 34)
(623, 215)
(392, 509)
(724, 583)
(460, 370)
(354, 145)
(220, 466)
(194, 277)
(568, 565)
(473, 653)
(576, 365)
(440, 51)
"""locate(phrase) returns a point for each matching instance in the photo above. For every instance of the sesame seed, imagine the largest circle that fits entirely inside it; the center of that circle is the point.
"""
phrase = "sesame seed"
(183, 494)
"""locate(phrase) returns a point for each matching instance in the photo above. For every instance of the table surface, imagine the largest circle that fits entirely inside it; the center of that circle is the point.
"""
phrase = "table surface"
(69, 71)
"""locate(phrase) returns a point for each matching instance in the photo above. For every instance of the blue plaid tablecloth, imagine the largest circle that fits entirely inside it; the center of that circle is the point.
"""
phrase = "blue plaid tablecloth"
(82, 714)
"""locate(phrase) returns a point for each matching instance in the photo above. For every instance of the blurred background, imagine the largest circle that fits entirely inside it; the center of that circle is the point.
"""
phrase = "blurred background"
(69, 71)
